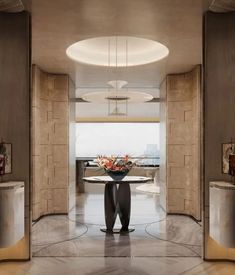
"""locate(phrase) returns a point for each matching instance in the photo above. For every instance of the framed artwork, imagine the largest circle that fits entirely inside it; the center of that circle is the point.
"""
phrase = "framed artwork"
(227, 150)
(5, 158)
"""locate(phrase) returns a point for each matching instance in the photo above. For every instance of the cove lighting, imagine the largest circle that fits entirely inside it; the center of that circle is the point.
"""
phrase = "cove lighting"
(117, 51)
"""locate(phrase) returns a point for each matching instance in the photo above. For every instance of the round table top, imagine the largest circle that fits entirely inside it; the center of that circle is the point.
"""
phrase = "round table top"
(108, 179)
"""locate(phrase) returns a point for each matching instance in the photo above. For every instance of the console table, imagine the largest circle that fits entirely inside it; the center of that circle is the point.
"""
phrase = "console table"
(11, 213)
(222, 213)
(117, 200)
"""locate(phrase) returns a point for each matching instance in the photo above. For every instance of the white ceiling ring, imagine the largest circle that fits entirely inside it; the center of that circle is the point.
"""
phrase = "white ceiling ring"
(117, 51)
(117, 94)
(120, 96)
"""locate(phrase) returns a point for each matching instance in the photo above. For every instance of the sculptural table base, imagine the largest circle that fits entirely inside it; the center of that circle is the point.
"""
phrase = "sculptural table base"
(117, 201)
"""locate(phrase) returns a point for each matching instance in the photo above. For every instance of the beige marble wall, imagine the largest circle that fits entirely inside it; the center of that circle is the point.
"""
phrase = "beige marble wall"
(52, 161)
(180, 128)
(72, 146)
(163, 147)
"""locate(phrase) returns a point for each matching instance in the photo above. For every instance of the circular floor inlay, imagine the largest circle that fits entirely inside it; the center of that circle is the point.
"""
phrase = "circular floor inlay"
(52, 229)
(177, 229)
(117, 51)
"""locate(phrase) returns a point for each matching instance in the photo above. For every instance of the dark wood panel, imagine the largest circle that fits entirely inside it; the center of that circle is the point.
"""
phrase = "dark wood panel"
(219, 78)
(15, 95)
(219, 89)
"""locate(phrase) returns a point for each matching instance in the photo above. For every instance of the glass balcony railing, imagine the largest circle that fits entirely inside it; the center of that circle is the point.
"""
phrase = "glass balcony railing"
(148, 161)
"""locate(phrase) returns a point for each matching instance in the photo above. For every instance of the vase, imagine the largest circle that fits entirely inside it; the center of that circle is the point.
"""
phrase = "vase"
(117, 175)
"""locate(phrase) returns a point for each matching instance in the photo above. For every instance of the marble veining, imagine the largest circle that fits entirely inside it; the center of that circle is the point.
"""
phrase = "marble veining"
(79, 235)
(150, 187)
(173, 226)
(69, 245)
(53, 229)
(11, 185)
(116, 266)
(222, 185)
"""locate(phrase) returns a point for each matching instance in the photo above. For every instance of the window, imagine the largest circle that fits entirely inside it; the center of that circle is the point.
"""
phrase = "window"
(134, 139)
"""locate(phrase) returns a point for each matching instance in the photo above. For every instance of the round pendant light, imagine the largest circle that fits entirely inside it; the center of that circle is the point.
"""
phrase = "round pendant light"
(117, 94)
(120, 96)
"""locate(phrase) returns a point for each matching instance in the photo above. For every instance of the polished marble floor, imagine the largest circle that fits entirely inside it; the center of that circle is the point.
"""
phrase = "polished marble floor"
(149, 188)
(116, 266)
(74, 245)
(79, 235)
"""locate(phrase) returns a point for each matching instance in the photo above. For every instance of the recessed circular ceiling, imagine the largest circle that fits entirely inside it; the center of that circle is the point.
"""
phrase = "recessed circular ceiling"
(117, 51)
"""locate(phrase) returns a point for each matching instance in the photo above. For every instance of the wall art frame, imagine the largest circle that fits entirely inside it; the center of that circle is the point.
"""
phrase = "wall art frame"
(5, 158)
(227, 149)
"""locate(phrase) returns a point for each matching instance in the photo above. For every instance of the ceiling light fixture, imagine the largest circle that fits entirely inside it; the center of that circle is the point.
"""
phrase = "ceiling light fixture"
(116, 98)
(118, 94)
(117, 51)
(112, 49)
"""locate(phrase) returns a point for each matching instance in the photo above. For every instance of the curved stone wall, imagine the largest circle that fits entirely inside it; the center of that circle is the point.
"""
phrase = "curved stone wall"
(53, 165)
(180, 127)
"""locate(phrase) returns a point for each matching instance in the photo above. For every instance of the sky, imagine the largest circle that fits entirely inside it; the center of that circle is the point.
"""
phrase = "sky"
(94, 139)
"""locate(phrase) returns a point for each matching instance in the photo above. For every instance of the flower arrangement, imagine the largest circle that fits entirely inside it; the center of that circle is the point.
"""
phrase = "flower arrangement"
(115, 165)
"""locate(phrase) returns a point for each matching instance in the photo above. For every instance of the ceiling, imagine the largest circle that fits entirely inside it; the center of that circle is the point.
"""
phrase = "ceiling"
(56, 24)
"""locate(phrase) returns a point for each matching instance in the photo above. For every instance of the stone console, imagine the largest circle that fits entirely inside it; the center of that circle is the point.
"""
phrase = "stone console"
(11, 213)
(222, 213)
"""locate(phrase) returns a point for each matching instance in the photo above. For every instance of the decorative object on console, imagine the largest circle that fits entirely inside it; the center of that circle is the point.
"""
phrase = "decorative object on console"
(116, 167)
(227, 150)
(232, 166)
(5, 158)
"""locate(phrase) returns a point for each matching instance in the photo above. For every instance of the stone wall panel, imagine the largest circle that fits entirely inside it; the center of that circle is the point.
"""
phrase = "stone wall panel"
(180, 167)
(50, 144)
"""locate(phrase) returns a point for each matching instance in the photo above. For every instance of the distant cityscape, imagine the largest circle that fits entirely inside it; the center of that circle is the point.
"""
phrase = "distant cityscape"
(138, 140)
(152, 155)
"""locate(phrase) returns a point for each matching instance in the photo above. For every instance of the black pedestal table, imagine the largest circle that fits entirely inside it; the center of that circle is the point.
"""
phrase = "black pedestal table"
(117, 200)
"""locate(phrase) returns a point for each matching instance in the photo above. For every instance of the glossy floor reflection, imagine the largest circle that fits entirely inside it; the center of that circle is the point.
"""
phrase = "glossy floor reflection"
(79, 235)
(74, 244)
(117, 266)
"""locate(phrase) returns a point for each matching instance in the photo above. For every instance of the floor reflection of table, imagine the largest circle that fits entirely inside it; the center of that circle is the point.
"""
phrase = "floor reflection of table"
(117, 200)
